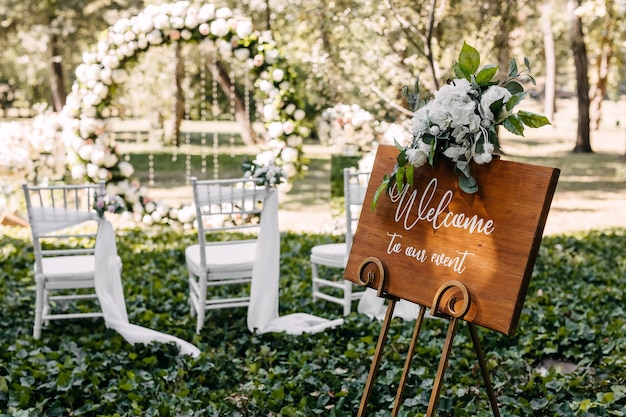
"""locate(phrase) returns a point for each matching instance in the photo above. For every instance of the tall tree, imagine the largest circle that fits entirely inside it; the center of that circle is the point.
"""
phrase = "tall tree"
(579, 51)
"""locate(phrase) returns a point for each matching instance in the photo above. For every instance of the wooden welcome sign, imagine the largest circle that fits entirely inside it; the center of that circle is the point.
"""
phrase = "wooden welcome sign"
(433, 233)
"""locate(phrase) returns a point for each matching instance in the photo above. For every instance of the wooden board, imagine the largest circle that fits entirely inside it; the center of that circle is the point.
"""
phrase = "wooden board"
(435, 233)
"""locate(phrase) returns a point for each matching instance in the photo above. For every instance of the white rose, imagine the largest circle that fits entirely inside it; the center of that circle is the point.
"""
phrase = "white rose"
(78, 172)
(207, 12)
(244, 28)
(97, 156)
(416, 157)
(126, 169)
(155, 37)
(289, 154)
(92, 171)
(156, 216)
(299, 115)
(219, 28)
(241, 54)
(223, 13)
(278, 75)
(147, 220)
(493, 94)
(103, 173)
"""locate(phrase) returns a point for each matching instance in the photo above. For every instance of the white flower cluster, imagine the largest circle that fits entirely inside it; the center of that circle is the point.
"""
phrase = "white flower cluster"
(346, 125)
(30, 151)
(33, 152)
(461, 116)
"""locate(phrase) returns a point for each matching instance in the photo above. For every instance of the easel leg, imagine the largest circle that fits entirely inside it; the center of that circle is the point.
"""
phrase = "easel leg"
(484, 371)
(376, 360)
(407, 362)
(443, 363)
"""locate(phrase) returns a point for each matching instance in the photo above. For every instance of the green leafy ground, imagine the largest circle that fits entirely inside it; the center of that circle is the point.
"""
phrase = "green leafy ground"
(574, 313)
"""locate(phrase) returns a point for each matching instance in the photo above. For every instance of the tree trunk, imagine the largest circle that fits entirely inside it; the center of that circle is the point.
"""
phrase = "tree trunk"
(248, 135)
(549, 100)
(579, 50)
(57, 86)
(603, 58)
(179, 97)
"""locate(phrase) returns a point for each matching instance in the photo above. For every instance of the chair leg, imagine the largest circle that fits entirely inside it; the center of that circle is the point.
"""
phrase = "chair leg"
(314, 276)
(347, 297)
(39, 301)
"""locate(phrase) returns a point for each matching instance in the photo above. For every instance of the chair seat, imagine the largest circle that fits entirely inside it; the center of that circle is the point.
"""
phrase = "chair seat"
(233, 256)
(331, 253)
(76, 267)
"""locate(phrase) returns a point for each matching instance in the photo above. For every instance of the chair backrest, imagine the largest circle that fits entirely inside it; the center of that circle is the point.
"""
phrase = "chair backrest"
(55, 211)
(227, 205)
(355, 187)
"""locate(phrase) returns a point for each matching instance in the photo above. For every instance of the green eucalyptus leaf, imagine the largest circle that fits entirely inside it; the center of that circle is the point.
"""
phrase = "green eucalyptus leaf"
(514, 87)
(486, 74)
(513, 125)
(468, 184)
(469, 59)
(513, 71)
(402, 158)
(533, 120)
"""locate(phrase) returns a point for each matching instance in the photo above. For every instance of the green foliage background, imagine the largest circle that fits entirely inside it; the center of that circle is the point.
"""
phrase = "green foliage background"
(574, 312)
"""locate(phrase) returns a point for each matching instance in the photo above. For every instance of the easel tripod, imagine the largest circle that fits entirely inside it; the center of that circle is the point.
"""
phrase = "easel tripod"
(454, 314)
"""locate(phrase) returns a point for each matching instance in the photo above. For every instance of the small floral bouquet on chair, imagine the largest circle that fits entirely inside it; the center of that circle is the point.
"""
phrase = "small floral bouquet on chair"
(269, 174)
(108, 203)
(460, 121)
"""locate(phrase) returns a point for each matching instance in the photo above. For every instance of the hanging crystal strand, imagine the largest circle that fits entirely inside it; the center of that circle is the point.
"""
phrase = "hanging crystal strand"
(231, 103)
(215, 110)
(203, 99)
(188, 100)
(172, 70)
(246, 93)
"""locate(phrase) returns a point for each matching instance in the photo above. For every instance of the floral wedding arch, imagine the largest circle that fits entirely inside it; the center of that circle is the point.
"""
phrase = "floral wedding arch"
(91, 151)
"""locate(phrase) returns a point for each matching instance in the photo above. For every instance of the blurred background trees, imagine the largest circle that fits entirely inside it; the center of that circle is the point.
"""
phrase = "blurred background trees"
(344, 51)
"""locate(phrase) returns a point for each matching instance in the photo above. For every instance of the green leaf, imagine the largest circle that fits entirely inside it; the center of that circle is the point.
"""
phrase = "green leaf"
(468, 184)
(410, 174)
(382, 188)
(513, 71)
(486, 74)
(459, 72)
(533, 120)
(469, 59)
(400, 176)
(515, 100)
(514, 87)
(513, 125)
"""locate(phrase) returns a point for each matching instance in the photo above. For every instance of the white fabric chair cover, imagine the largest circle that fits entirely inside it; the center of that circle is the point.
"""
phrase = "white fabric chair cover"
(374, 306)
(264, 291)
(110, 293)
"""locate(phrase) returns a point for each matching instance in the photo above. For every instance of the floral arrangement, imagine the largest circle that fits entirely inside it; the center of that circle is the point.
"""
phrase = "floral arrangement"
(31, 151)
(269, 174)
(343, 126)
(92, 152)
(108, 203)
(460, 121)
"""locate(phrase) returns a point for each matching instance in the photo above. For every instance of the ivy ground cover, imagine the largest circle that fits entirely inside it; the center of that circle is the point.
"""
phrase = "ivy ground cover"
(567, 358)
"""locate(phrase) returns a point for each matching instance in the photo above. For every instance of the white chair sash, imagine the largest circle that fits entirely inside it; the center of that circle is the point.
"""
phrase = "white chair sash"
(264, 292)
(110, 293)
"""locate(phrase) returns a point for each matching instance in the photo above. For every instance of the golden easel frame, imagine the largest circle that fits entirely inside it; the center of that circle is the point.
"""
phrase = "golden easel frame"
(455, 314)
